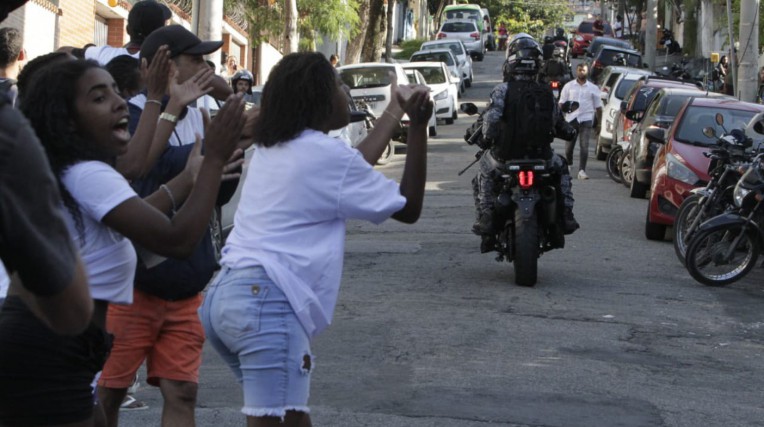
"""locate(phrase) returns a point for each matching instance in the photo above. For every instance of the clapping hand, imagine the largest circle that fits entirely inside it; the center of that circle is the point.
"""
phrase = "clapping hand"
(417, 105)
(193, 88)
(157, 75)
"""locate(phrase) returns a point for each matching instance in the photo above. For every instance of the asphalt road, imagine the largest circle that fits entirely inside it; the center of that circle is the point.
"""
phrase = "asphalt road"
(429, 332)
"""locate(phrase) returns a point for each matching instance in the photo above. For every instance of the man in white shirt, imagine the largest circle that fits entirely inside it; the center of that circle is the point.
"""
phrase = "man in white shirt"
(587, 94)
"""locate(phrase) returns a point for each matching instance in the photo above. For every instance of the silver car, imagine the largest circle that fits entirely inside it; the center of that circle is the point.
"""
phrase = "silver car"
(468, 32)
(440, 55)
(463, 59)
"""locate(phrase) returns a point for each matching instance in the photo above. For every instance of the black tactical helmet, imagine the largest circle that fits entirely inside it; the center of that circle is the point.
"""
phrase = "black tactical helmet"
(523, 58)
(560, 32)
(548, 39)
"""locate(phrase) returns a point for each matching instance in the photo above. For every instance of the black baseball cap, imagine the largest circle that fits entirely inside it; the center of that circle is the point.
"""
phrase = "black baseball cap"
(145, 17)
(179, 40)
(7, 6)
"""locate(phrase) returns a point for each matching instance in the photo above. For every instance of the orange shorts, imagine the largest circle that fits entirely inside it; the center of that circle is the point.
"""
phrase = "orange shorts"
(167, 334)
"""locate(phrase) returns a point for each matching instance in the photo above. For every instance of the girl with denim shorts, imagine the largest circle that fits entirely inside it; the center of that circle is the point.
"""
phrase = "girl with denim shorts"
(282, 263)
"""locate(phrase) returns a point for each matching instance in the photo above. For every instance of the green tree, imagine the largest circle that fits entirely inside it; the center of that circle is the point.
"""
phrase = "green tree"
(533, 16)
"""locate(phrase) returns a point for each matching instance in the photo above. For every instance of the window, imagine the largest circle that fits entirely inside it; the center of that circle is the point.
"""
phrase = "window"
(357, 78)
(101, 32)
(458, 27)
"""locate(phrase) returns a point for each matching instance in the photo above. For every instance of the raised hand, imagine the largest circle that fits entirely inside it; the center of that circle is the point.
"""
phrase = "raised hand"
(191, 89)
(224, 131)
(156, 76)
(418, 106)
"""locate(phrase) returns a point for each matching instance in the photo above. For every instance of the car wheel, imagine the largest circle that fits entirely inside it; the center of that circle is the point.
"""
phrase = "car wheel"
(480, 57)
(433, 131)
(467, 82)
(653, 231)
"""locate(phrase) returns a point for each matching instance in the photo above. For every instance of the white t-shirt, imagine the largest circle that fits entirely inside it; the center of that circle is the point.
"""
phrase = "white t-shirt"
(291, 218)
(587, 96)
(104, 54)
(185, 129)
(108, 256)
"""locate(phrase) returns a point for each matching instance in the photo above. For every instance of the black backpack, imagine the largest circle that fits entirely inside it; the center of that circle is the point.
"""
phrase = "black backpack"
(528, 121)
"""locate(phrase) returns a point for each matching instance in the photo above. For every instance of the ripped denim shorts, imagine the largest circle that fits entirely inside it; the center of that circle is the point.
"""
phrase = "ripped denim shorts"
(251, 324)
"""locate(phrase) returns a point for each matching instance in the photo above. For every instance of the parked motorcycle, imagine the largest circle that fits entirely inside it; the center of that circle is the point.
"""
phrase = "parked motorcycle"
(614, 160)
(528, 206)
(726, 247)
(731, 153)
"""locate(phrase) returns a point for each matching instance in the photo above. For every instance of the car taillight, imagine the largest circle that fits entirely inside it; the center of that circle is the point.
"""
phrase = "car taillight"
(475, 36)
(596, 64)
(442, 35)
(526, 179)
(555, 84)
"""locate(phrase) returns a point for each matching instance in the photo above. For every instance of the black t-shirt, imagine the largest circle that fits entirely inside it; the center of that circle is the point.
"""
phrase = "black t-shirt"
(34, 240)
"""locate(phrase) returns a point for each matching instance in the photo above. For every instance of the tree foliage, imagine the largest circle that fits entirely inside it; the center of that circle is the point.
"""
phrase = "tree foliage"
(533, 16)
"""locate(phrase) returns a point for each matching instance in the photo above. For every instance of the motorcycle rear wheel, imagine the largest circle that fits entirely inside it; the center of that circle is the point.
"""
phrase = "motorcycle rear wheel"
(705, 258)
(526, 254)
(613, 163)
(626, 166)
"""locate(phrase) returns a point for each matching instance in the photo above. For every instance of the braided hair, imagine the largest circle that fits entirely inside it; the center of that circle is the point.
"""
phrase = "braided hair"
(297, 96)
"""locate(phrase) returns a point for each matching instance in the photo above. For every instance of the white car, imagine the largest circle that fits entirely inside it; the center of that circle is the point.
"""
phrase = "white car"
(463, 59)
(415, 77)
(443, 90)
(616, 82)
(369, 83)
(440, 55)
(466, 30)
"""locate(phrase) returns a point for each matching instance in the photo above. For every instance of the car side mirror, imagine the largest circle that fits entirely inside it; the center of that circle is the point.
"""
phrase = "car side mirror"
(656, 134)
(468, 108)
(709, 132)
(623, 107)
(634, 115)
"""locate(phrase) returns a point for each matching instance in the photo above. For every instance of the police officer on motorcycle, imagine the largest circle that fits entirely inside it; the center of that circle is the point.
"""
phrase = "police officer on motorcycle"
(520, 68)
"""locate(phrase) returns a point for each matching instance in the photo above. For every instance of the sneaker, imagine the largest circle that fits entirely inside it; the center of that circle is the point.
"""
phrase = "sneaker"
(582, 174)
(569, 221)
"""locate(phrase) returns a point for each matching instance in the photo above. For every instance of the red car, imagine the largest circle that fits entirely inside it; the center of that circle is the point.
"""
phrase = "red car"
(680, 164)
(584, 35)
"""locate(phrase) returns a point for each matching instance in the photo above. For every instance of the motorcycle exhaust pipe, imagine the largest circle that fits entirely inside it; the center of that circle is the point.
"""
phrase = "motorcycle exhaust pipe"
(549, 198)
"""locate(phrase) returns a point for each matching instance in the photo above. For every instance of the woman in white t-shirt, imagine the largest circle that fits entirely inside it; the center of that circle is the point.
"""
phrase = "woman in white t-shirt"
(283, 260)
(81, 120)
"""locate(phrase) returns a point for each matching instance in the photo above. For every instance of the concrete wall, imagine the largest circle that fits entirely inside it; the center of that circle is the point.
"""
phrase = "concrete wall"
(38, 23)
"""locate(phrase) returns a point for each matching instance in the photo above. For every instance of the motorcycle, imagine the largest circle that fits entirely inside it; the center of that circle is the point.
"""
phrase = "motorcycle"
(726, 247)
(731, 153)
(669, 42)
(364, 113)
(527, 206)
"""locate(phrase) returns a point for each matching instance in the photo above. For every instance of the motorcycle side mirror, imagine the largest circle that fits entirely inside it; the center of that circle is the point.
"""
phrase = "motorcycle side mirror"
(719, 119)
(634, 115)
(468, 108)
(656, 134)
(569, 106)
(709, 132)
(357, 116)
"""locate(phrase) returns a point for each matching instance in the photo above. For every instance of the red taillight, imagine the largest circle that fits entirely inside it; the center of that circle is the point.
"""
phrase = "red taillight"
(526, 179)
(442, 35)
(475, 36)
(555, 84)
(597, 64)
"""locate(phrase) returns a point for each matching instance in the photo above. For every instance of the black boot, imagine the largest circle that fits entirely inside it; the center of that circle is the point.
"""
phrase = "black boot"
(569, 221)
(484, 224)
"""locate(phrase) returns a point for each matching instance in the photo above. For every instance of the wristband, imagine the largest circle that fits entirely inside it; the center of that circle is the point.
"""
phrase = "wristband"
(154, 101)
(169, 117)
(166, 189)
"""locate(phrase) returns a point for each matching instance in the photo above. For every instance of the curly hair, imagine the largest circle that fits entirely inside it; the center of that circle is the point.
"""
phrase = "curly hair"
(30, 70)
(297, 96)
(50, 107)
(126, 71)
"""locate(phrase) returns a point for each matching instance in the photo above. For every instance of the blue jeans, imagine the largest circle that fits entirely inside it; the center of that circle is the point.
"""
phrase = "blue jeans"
(251, 324)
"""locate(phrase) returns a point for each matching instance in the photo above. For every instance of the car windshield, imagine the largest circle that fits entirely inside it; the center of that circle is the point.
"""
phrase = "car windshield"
(432, 75)
(624, 87)
(463, 14)
(696, 118)
(367, 77)
(454, 47)
(671, 105)
(458, 27)
(435, 56)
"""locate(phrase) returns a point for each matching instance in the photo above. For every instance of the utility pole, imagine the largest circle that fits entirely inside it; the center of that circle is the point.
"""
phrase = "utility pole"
(207, 23)
(651, 33)
(748, 83)
(732, 55)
